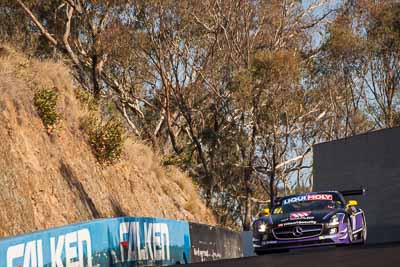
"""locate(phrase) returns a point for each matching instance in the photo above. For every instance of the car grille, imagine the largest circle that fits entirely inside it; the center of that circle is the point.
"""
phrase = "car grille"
(297, 231)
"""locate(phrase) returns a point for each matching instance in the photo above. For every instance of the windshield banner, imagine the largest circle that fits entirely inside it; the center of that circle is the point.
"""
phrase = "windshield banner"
(308, 198)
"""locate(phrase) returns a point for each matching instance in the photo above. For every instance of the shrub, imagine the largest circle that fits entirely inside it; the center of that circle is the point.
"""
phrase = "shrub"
(86, 99)
(45, 101)
(184, 158)
(106, 138)
(396, 120)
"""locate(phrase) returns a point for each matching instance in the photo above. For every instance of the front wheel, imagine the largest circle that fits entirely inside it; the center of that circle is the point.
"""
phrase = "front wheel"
(364, 232)
(361, 237)
(349, 231)
(349, 239)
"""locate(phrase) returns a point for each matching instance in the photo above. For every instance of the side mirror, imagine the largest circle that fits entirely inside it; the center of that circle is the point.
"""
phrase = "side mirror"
(352, 203)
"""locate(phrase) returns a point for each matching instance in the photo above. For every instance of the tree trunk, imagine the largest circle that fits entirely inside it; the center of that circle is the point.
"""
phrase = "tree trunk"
(248, 208)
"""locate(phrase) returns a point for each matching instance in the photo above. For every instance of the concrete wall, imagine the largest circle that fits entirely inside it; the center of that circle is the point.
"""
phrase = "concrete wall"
(247, 243)
(209, 243)
(125, 241)
(371, 160)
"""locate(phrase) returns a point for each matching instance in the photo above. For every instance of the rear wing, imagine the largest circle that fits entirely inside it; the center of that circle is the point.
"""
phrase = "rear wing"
(356, 192)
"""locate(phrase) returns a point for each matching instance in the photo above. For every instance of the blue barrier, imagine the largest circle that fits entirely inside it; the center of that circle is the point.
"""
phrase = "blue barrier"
(121, 242)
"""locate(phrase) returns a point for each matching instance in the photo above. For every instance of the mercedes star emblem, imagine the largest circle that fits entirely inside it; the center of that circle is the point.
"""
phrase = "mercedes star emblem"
(297, 231)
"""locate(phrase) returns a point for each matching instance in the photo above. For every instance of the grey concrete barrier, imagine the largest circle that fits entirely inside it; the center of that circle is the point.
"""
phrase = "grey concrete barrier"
(372, 161)
(209, 243)
(247, 243)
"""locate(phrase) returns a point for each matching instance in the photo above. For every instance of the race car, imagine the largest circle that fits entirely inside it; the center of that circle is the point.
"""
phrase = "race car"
(310, 219)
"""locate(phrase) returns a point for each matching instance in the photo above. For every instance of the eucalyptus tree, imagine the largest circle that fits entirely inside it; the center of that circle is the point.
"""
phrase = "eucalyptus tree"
(224, 89)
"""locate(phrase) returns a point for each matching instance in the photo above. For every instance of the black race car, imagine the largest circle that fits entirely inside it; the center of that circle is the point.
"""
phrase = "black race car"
(310, 219)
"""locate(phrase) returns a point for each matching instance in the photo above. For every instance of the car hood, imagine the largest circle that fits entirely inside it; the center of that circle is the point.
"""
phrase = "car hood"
(319, 216)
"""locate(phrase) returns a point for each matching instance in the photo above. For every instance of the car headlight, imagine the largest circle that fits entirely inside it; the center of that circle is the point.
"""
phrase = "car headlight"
(334, 221)
(262, 227)
(333, 231)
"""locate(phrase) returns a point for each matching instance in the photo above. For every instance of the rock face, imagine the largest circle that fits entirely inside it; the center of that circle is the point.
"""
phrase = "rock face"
(51, 180)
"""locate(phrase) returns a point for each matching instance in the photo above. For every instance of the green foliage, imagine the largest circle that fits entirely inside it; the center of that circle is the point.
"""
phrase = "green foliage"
(209, 136)
(278, 66)
(233, 93)
(109, 107)
(106, 138)
(45, 101)
(86, 99)
(183, 159)
(383, 28)
(344, 43)
(16, 27)
(396, 120)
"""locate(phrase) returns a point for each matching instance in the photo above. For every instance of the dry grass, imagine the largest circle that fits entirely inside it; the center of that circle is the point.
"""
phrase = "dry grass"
(56, 180)
(192, 205)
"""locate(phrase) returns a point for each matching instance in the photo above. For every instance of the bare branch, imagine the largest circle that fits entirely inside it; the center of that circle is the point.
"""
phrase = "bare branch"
(77, 6)
(70, 12)
(38, 24)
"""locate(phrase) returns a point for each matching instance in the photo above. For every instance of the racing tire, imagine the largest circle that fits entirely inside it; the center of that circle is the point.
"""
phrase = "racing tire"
(362, 236)
(350, 231)
(364, 232)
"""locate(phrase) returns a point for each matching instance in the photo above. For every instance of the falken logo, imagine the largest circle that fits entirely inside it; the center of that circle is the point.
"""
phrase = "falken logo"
(137, 241)
(149, 242)
(299, 215)
(75, 247)
(308, 198)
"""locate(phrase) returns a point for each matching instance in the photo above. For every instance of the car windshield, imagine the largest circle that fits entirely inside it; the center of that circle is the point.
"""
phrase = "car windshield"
(309, 202)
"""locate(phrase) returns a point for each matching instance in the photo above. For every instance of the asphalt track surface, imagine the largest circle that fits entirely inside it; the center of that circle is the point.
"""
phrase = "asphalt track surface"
(371, 255)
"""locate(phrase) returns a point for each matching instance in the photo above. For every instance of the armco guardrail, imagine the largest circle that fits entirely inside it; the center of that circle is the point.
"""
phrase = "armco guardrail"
(120, 242)
(124, 241)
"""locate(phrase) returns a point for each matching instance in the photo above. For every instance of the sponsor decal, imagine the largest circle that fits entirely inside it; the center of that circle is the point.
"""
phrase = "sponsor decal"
(138, 241)
(205, 254)
(304, 218)
(155, 245)
(74, 246)
(299, 222)
(309, 197)
(300, 214)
